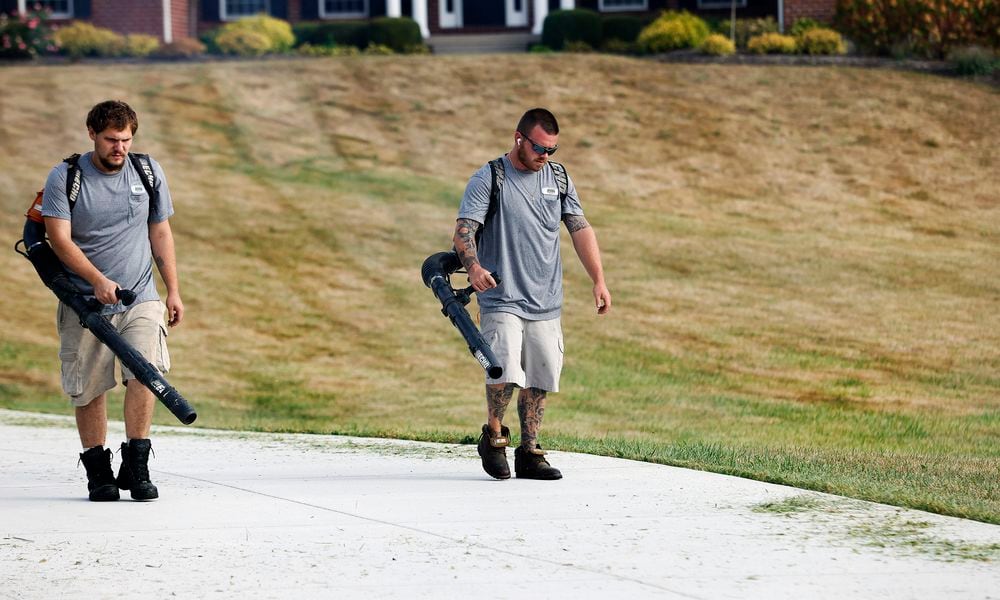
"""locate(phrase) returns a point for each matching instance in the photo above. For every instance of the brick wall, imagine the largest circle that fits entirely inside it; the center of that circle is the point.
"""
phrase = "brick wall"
(820, 10)
(137, 16)
(180, 14)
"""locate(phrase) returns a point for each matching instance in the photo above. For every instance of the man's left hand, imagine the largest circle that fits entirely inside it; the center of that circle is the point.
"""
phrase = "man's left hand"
(602, 298)
(175, 310)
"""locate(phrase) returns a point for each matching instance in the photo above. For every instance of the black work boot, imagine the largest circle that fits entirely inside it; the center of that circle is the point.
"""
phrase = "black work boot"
(134, 473)
(100, 478)
(493, 450)
(531, 464)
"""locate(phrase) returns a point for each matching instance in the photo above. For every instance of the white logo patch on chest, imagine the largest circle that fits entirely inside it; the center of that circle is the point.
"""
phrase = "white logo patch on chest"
(137, 188)
(549, 191)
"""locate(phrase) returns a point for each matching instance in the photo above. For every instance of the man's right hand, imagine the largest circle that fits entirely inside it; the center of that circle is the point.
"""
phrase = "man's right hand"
(104, 291)
(480, 278)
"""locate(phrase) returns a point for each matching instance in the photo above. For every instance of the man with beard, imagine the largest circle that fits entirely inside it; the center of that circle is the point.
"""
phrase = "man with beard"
(107, 233)
(508, 223)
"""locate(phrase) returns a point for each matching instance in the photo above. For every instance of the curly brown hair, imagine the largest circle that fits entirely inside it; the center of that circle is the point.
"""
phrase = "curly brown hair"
(112, 113)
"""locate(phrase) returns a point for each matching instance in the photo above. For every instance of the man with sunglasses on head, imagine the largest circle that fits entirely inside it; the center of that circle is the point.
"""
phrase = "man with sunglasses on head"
(518, 238)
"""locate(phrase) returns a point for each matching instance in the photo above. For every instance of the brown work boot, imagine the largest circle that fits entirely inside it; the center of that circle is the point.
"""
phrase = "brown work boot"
(531, 464)
(493, 450)
(100, 478)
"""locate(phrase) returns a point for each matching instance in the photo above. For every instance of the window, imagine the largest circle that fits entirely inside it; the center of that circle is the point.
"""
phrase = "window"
(721, 4)
(613, 5)
(343, 9)
(59, 9)
(235, 9)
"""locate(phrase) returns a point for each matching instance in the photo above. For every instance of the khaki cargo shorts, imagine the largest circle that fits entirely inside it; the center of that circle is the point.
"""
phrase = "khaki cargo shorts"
(88, 366)
(530, 352)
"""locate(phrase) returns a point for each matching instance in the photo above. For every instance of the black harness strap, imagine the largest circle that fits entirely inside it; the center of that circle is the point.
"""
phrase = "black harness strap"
(141, 163)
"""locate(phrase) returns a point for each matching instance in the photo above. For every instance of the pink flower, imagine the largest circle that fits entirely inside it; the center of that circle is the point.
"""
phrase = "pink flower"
(21, 46)
(32, 23)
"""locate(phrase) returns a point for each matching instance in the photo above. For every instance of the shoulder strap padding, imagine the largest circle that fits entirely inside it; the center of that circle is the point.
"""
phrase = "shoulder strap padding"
(73, 179)
(145, 169)
(562, 180)
(496, 187)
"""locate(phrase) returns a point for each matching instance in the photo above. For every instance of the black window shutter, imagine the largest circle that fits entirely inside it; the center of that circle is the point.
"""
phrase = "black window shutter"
(310, 10)
(279, 9)
(210, 10)
(8, 6)
(376, 8)
(81, 9)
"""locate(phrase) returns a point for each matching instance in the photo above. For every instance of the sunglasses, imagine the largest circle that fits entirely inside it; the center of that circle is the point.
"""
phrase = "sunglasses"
(540, 149)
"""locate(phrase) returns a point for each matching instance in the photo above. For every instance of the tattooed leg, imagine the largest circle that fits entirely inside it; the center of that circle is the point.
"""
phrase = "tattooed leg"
(497, 398)
(530, 408)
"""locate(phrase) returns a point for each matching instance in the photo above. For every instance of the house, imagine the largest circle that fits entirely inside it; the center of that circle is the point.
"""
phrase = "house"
(438, 19)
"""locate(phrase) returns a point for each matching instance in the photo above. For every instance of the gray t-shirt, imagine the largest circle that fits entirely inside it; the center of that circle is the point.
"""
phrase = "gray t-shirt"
(110, 224)
(521, 241)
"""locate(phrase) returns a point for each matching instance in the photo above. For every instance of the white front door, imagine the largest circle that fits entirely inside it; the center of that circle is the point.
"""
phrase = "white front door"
(450, 13)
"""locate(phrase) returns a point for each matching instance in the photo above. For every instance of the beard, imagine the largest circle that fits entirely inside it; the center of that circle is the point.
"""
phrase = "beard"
(532, 161)
(111, 166)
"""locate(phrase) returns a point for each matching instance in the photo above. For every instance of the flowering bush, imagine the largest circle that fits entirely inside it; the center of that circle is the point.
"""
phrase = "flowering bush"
(930, 27)
(242, 42)
(821, 40)
(718, 45)
(244, 37)
(140, 45)
(83, 39)
(672, 31)
(772, 43)
(26, 36)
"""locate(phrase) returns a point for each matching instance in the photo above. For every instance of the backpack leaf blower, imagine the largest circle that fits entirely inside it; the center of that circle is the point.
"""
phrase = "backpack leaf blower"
(436, 272)
(54, 276)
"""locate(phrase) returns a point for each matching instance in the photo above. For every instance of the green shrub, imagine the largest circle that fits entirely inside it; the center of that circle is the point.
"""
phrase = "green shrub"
(975, 60)
(208, 40)
(308, 49)
(624, 28)
(578, 46)
(672, 31)
(140, 45)
(378, 50)
(930, 28)
(398, 33)
(718, 45)
(573, 25)
(772, 43)
(180, 48)
(616, 46)
(821, 41)
(81, 39)
(803, 25)
(242, 37)
(748, 28)
(417, 49)
(242, 42)
(540, 49)
(334, 33)
(26, 36)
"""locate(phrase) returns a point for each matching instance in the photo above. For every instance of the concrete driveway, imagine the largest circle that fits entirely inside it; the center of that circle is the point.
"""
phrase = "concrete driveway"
(299, 516)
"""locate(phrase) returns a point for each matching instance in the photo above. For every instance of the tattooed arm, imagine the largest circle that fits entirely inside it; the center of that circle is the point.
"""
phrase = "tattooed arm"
(161, 241)
(465, 246)
(585, 244)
